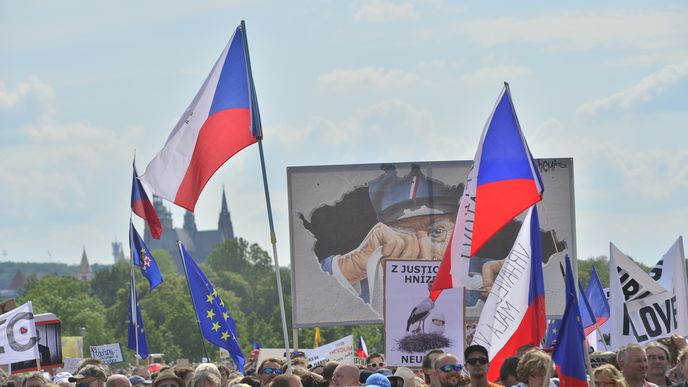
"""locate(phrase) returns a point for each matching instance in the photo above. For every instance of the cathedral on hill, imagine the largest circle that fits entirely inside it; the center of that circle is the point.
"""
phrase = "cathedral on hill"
(199, 243)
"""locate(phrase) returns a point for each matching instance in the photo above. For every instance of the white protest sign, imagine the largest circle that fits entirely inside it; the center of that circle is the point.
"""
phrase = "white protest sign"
(18, 340)
(654, 316)
(413, 325)
(670, 272)
(627, 283)
(107, 353)
(341, 351)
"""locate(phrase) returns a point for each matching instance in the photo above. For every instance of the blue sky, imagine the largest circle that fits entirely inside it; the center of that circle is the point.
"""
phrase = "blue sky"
(83, 84)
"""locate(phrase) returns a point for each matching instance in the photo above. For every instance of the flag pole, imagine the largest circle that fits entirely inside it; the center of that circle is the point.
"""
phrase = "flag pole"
(179, 245)
(134, 315)
(255, 120)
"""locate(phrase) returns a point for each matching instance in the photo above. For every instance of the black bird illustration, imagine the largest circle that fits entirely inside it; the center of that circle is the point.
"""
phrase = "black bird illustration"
(418, 315)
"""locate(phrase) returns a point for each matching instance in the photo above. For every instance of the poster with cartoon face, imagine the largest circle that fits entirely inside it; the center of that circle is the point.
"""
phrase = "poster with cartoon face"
(346, 220)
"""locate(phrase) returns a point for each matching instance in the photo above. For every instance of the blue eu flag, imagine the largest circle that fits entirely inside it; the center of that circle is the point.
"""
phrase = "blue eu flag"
(217, 324)
(136, 331)
(141, 257)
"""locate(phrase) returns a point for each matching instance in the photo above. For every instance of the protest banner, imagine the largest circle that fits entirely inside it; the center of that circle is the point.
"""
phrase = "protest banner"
(18, 340)
(341, 214)
(670, 273)
(49, 338)
(653, 316)
(341, 350)
(413, 326)
(107, 353)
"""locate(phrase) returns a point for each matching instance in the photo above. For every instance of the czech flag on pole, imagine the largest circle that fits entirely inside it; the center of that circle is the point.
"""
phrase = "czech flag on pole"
(568, 352)
(142, 207)
(503, 182)
(362, 350)
(221, 120)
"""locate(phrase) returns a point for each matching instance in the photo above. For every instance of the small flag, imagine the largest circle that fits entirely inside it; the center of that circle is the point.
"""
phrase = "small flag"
(316, 337)
(221, 120)
(141, 257)
(362, 350)
(519, 289)
(568, 353)
(137, 334)
(142, 207)
(594, 293)
(216, 322)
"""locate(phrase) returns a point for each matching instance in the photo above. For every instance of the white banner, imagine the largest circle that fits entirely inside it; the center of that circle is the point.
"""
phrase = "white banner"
(18, 340)
(413, 324)
(341, 351)
(107, 353)
(629, 284)
(670, 272)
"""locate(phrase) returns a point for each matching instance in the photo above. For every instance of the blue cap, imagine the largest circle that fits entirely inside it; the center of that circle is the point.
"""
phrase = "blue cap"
(378, 380)
(415, 194)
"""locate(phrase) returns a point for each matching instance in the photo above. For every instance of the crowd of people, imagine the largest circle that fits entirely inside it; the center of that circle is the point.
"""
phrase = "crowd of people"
(658, 364)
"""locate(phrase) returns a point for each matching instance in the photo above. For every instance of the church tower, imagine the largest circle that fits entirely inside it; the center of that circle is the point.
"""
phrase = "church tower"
(164, 214)
(224, 224)
(85, 273)
(190, 222)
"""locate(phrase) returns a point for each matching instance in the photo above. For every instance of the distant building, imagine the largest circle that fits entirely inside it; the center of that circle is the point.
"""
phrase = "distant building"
(85, 273)
(118, 252)
(17, 282)
(198, 243)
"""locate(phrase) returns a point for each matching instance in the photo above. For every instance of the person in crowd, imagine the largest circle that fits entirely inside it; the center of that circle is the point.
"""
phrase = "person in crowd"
(683, 365)
(345, 375)
(450, 373)
(61, 379)
(141, 371)
(477, 364)
(377, 380)
(89, 361)
(507, 372)
(408, 375)
(251, 381)
(225, 374)
(168, 378)
(91, 374)
(533, 368)
(117, 380)
(35, 379)
(328, 371)
(268, 370)
(139, 381)
(308, 378)
(658, 358)
(375, 361)
(607, 375)
(184, 373)
(205, 377)
(632, 361)
(286, 381)
(428, 367)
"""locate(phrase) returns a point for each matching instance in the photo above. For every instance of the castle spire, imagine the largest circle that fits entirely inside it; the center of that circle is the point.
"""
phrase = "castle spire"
(224, 224)
(85, 273)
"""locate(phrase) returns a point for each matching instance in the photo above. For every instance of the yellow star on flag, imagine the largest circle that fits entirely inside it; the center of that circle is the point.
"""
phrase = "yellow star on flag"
(222, 303)
(214, 292)
(225, 315)
(209, 298)
(225, 335)
(216, 326)
(211, 314)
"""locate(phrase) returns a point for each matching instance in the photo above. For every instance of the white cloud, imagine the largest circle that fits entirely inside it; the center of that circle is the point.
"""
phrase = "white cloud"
(386, 11)
(365, 78)
(584, 30)
(499, 73)
(33, 87)
(645, 90)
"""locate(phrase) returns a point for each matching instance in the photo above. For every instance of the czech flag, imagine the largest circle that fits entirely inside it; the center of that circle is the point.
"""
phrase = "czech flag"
(514, 312)
(142, 207)
(568, 353)
(221, 120)
(362, 350)
(503, 182)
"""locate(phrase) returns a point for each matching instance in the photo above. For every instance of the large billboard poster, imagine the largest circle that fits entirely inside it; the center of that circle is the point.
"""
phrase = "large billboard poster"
(413, 324)
(347, 219)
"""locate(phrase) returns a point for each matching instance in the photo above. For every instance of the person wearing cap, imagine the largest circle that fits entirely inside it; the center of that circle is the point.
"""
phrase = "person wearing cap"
(345, 375)
(477, 365)
(415, 218)
(168, 378)
(408, 375)
(90, 375)
(117, 380)
(139, 381)
(377, 380)
(450, 371)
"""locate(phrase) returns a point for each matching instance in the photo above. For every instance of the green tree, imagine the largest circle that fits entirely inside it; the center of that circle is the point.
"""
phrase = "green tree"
(164, 261)
(108, 281)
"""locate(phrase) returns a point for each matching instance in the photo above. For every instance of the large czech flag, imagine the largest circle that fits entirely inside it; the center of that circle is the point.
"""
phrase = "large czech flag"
(221, 120)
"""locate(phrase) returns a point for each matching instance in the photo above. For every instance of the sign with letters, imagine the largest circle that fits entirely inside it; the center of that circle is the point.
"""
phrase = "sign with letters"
(341, 351)
(18, 340)
(107, 353)
(654, 316)
(414, 324)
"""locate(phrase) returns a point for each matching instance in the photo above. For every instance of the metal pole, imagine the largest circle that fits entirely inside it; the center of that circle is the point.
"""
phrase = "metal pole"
(179, 245)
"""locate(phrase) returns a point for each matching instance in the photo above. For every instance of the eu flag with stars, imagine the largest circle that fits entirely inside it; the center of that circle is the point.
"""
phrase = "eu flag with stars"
(141, 257)
(216, 322)
(136, 325)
